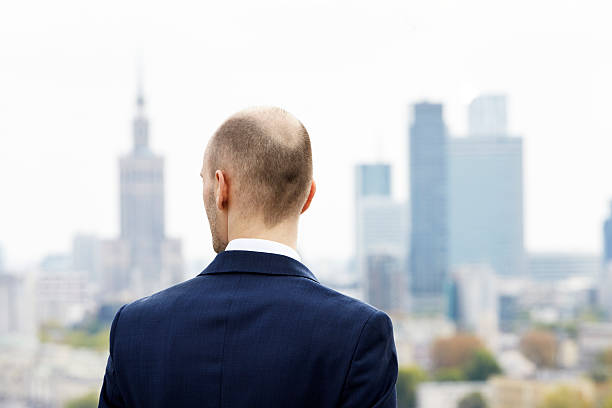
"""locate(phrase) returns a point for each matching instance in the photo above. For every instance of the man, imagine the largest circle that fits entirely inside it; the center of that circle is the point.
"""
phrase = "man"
(255, 328)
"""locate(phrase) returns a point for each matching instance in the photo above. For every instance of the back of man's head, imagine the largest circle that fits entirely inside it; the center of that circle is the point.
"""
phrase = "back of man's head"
(266, 152)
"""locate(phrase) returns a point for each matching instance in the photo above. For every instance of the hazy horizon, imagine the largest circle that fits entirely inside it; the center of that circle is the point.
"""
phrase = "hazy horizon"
(69, 81)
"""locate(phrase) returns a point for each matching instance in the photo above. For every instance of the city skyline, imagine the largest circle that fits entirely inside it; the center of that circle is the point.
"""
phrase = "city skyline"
(461, 158)
(452, 139)
(81, 104)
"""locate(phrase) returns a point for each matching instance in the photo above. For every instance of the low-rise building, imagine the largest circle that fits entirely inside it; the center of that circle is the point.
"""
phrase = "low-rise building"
(529, 393)
(448, 394)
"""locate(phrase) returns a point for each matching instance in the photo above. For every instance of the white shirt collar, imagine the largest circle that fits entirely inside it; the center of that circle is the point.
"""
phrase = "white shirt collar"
(262, 245)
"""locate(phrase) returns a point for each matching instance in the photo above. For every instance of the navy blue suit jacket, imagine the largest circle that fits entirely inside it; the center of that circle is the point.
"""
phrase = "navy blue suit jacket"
(254, 329)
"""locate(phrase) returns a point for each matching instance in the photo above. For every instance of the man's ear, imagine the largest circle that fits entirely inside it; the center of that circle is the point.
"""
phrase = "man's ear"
(222, 190)
(313, 188)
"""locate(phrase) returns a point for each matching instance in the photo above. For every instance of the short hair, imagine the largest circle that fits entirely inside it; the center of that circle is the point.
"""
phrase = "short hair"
(268, 151)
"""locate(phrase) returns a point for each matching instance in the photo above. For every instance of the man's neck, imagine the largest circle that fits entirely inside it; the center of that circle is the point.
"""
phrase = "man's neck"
(284, 232)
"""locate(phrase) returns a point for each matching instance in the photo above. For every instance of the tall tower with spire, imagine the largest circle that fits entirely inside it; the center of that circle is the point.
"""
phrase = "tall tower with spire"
(141, 125)
(142, 189)
(152, 261)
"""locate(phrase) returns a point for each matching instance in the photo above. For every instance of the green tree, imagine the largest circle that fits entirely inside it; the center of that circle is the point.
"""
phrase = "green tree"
(454, 351)
(565, 397)
(473, 400)
(601, 371)
(89, 337)
(407, 382)
(599, 374)
(86, 401)
(450, 374)
(605, 357)
(481, 366)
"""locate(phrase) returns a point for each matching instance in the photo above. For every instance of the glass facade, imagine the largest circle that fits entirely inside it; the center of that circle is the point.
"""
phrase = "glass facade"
(428, 195)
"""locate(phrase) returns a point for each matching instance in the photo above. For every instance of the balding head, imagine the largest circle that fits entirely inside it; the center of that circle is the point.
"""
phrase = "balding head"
(266, 155)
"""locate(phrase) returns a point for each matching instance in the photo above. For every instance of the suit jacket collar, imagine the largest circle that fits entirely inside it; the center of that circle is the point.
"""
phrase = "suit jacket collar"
(257, 262)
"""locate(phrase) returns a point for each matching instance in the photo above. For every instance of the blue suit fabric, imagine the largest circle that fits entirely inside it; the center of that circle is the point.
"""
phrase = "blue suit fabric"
(254, 329)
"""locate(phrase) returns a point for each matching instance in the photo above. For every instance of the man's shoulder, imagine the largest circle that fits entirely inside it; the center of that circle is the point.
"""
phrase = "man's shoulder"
(321, 291)
(334, 304)
(343, 303)
(336, 307)
(160, 299)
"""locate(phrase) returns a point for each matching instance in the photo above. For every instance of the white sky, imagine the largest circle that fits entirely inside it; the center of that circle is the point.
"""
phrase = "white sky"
(348, 69)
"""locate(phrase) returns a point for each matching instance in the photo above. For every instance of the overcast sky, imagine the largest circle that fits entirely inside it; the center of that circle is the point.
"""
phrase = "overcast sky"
(350, 70)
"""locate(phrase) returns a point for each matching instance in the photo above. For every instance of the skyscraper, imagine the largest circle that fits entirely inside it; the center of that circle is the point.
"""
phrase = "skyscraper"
(373, 180)
(13, 304)
(605, 280)
(486, 192)
(607, 236)
(428, 199)
(488, 116)
(385, 289)
(372, 183)
(143, 259)
(556, 266)
(85, 256)
(142, 200)
(379, 237)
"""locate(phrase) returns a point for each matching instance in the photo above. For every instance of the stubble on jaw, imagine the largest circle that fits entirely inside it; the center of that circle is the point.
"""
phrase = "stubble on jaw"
(218, 244)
